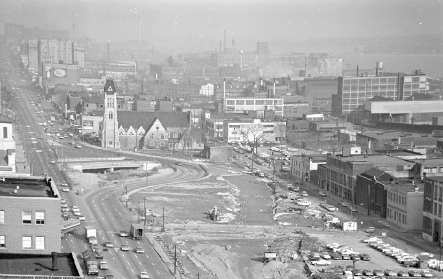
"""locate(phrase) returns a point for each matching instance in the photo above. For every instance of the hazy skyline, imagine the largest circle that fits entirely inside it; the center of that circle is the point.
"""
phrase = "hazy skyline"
(197, 25)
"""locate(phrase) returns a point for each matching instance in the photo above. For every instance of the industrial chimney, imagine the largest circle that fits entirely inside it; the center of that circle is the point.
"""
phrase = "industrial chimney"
(224, 42)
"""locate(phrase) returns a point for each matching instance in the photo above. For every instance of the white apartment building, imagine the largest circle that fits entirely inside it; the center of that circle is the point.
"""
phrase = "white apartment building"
(248, 130)
(241, 105)
(207, 89)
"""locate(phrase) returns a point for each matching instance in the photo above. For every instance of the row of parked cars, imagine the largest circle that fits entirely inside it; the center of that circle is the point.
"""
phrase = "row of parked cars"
(399, 255)
(350, 271)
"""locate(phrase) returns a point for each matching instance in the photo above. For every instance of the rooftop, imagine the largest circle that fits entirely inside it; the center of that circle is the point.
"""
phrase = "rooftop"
(405, 186)
(430, 161)
(371, 159)
(38, 264)
(28, 186)
(436, 178)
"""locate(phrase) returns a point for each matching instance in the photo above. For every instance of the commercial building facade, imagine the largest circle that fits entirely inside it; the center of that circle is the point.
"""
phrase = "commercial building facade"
(405, 205)
(252, 130)
(353, 92)
(432, 209)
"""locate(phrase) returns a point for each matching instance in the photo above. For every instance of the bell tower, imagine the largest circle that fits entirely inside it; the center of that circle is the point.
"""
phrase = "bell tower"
(110, 123)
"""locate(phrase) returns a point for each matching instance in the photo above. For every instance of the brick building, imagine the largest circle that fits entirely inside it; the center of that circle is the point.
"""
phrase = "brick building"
(29, 216)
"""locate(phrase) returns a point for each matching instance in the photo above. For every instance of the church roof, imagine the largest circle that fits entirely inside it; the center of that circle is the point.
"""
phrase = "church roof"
(144, 119)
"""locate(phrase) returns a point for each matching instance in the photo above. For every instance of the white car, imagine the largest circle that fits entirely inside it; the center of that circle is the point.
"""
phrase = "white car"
(304, 194)
(371, 239)
(144, 275)
(77, 213)
(304, 203)
(82, 218)
(65, 189)
(321, 262)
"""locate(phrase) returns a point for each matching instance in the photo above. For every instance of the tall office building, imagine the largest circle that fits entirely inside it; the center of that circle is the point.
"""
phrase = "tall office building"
(355, 91)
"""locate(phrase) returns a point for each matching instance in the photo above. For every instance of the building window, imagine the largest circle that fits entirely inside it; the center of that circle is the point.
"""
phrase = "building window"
(111, 115)
(151, 136)
(27, 242)
(2, 216)
(162, 144)
(40, 218)
(171, 134)
(162, 136)
(5, 132)
(27, 217)
(151, 143)
(39, 243)
(2, 241)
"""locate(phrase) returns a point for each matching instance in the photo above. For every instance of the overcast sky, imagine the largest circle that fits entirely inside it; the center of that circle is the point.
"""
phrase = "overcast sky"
(194, 25)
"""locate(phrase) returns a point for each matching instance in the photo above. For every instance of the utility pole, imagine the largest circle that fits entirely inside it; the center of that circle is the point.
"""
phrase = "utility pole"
(163, 218)
(175, 259)
(144, 205)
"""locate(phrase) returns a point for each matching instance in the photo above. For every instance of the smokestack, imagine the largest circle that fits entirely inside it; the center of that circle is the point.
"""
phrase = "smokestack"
(224, 42)
(54, 261)
(139, 41)
(357, 70)
(108, 51)
(224, 95)
(273, 93)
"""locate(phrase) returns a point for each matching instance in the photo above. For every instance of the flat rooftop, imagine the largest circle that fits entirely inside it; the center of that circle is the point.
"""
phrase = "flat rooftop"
(28, 186)
(27, 264)
(371, 158)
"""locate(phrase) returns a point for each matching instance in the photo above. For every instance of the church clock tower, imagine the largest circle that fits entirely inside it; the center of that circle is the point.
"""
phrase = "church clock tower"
(110, 123)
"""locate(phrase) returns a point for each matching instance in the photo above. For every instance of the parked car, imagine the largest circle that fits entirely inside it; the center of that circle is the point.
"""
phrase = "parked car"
(345, 256)
(426, 273)
(336, 256)
(368, 272)
(304, 203)
(321, 193)
(377, 272)
(402, 273)
(390, 272)
(344, 204)
(304, 194)
(365, 257)
(82, 218)
(414, 273)
(321, 262)
(355, 257)
(358, 272)
(325, 255)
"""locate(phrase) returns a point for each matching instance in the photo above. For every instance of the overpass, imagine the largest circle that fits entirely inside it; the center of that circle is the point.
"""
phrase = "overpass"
(110, 166)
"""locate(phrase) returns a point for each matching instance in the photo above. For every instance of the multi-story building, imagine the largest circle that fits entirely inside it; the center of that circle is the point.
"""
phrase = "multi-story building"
(33, 55)
(296, 109)
(242, 105)
(338, 176)
(213, 127)
(29, 215)
(303, 166)
(405, 205)
(353, 92)
(207, 89)
(7, 146)
(394, 139)
(252, 130)
(432, 209)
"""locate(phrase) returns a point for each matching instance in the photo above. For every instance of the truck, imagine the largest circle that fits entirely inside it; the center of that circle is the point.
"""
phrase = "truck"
(136, 231)
(92, 267)
(91, 234)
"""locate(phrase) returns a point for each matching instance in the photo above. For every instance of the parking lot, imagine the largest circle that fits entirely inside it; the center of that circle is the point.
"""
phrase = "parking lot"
(379, 261)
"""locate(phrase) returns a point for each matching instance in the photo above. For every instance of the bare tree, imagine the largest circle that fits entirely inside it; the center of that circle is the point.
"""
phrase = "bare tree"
(252, 134)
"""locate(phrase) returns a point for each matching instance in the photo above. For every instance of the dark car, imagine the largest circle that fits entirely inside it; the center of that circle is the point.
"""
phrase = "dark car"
(402, 274)
(365, 257)
(336, 256)
(349, 268)
(368, 272)
(355, 257)
(358, 272)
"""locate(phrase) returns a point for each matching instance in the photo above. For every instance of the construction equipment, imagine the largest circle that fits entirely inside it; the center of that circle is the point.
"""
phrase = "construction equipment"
(214, 214)
(269, 255)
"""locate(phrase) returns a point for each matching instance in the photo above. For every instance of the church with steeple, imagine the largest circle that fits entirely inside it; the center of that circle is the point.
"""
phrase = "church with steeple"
(142, 129)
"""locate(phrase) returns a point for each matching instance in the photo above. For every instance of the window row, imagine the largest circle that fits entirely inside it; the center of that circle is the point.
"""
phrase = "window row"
(28, 243)
(39, 217)
(396, 198)
(151, 143)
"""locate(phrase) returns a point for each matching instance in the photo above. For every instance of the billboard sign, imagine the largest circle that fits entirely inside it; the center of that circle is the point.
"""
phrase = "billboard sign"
(59, 73)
